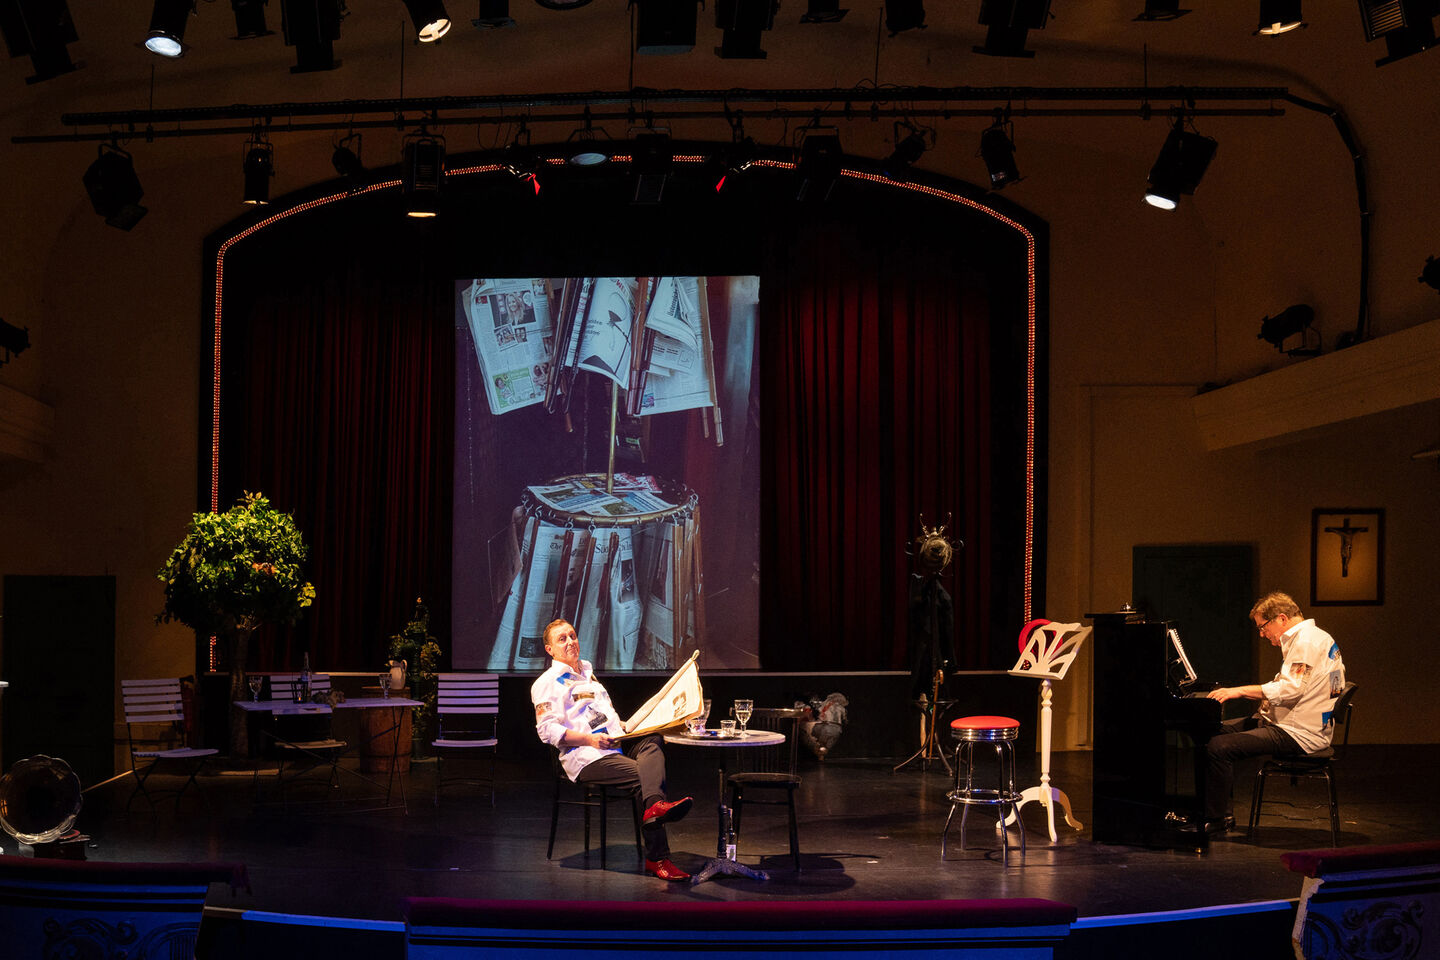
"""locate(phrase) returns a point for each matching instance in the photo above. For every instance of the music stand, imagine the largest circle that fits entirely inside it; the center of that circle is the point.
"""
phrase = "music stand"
(1046, 651)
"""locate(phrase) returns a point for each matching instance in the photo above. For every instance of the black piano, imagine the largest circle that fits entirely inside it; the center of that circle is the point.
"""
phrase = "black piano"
(1149, 712)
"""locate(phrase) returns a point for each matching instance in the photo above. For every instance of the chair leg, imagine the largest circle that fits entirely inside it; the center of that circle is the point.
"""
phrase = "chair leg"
(637, 813)
(1257, 799)
(794, 832)
(1334, 810)
(604, 823)
(439, 773)
(554, 820)
(737, 802)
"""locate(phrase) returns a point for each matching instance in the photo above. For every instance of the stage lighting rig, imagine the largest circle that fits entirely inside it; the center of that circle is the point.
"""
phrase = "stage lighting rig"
(820, 163)
(911, 142)
(665, 26)
(823, 11)
(250, 19)
(346, 159)
(430, 19)
(1161, 10)
(168, 19)
(651, 156)
(1279, 16)
(259, 167)
(114, 189)
(1008, 23)
(13, 340)
(422, 174)
(997, 149)
(1180, 166)
(493, 15)
(741, 22)
(312, 27)
(901, 15)
(1407, 25)
(1285, 324)
(1430, 276)
(39, 29)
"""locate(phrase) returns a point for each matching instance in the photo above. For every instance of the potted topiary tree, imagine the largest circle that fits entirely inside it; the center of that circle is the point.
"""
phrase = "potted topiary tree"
(418, 648)
(231, 573)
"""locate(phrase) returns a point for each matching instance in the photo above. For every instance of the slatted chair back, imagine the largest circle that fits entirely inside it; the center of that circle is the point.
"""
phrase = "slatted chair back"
(282, 685)
(780, 760)
(155, 726)
(467, 712)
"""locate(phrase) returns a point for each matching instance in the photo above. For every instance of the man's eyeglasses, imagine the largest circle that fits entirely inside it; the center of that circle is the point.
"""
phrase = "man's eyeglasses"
(1267, 623)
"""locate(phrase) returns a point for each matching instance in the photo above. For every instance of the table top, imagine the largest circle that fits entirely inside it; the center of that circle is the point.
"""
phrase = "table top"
(712, 738)
(290, 708)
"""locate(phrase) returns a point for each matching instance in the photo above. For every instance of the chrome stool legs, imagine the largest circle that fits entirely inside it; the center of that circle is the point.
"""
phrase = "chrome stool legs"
(999, 732)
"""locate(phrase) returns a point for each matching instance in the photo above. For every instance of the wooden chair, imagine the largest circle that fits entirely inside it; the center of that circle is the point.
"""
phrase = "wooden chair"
(467, 715)
(592, 796)
(1310, 766)
(304, 742)
(155, 727)
(770, 770)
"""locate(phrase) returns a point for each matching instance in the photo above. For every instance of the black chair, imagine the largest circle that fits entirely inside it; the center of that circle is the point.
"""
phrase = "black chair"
(1309, 766)
(770, 770)
(302, 742)
(591, 796)
(467, 713)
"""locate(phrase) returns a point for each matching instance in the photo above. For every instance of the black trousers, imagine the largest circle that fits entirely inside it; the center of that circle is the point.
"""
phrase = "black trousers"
(641, 767)
(1239, 738)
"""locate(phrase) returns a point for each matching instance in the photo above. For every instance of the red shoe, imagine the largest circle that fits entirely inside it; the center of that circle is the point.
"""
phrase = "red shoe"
(665, 870)
(667, 811)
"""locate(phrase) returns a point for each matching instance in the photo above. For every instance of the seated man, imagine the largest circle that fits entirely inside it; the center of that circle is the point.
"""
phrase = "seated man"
(574, 714)
(1295, 714)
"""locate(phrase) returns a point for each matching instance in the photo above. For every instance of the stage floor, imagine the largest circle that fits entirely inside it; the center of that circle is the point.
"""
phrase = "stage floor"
(865, 833)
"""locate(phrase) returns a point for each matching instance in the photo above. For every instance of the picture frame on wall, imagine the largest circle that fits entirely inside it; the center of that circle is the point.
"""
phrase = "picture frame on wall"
(1347, 556)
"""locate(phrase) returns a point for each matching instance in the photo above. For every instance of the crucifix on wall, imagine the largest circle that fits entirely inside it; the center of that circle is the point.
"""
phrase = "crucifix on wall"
(1347, 556)
(1346, 533)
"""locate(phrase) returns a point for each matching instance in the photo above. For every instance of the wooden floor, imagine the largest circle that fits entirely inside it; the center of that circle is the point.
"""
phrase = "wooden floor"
(865, 833)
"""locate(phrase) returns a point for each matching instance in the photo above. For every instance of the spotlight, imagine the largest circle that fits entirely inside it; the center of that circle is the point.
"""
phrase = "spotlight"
(1162, 10)
(13, 340)
(1179, 167)
(651, 157)
(312, 27)
(259, 167)
(903, 15)
(1406, 25)
(1279, 16)
(114, 189)
(167, 27)
(729, 162)
(423, 174)
(997, 149)
(908, 149)
(346, 160)
(431, 20)
(741, 23)
(1285, 324)
(250, 19)
(39, 29)
(820, 162)
(1008, 22)
(665, 26)
(493, 15)
(523, 165)
(1430, 276)
(823, 11)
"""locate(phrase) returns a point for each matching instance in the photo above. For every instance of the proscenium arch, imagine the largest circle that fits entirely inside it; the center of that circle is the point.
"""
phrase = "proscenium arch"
(480, 176)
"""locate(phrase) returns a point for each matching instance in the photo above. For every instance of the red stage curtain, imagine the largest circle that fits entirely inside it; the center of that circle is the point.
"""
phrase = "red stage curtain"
(877, 383)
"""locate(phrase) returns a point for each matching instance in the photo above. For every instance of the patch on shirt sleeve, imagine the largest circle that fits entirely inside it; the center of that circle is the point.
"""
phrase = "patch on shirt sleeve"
(541, 709)
(1299, 669)
(1334, 650)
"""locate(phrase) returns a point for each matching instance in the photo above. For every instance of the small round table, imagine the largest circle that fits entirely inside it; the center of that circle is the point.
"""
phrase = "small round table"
(724, 862)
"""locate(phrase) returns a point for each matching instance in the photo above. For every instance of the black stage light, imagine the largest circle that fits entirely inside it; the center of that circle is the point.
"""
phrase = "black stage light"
(430, 19)
(312, 27)
(259, 167)
(1179, 167)
(1285, 324)
(651, 157)
(13, 340)
(1162, 10)
(114, 189)
(346, 159)
(908, 149)
(665, 26)
(997, 149)
(493, 15)
(523, 165)
(1008, 23)
(903, 15)
(820, 163)
(1430, 276)
(422, 176)
(167, 27)
(823, 11)
(249, 19)
(741, 23)
(1407, 25)
(39, 29)
(728, 163)
(1279, 16)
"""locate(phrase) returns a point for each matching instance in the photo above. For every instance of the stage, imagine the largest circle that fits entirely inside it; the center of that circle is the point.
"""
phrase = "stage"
(866, 833)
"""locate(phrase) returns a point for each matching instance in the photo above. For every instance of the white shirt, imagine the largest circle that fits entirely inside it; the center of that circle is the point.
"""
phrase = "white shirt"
(565, 702)
(1301, 698)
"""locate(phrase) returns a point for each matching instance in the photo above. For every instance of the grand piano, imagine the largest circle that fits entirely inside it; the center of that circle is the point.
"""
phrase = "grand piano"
(1149, 713)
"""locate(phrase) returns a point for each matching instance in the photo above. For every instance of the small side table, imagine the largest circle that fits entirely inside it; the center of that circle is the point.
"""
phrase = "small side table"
(724, 863)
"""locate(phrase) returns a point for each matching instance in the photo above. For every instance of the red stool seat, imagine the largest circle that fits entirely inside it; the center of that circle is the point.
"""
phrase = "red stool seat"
(985, 728)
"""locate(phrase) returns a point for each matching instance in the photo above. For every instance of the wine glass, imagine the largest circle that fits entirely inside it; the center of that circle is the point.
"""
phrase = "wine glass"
(255, 682)
(743, 709)
(384, 678)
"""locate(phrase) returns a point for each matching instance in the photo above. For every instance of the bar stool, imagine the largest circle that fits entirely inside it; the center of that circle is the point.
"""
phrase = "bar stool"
(1001, 732)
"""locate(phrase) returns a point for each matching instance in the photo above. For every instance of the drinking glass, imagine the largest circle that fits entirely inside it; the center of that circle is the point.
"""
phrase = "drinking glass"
(727, 729)
(255, 683)
(384, 679)
(743, 709)
(704, 711)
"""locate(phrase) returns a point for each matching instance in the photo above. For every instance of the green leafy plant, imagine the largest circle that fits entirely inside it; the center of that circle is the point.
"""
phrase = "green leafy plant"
(415, 645)
(233, 572)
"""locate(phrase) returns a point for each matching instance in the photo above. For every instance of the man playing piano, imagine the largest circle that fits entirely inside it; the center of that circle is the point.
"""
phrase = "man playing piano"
(1295, 714)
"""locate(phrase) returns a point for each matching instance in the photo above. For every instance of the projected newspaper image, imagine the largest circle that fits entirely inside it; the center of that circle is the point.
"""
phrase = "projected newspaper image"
(598, 420)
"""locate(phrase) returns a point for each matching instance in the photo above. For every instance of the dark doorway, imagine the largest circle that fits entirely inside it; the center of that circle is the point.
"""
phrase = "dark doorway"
(1206, 590)
(60, 661)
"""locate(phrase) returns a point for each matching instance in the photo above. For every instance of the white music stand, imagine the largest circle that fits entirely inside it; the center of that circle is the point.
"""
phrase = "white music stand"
(1046, 651)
